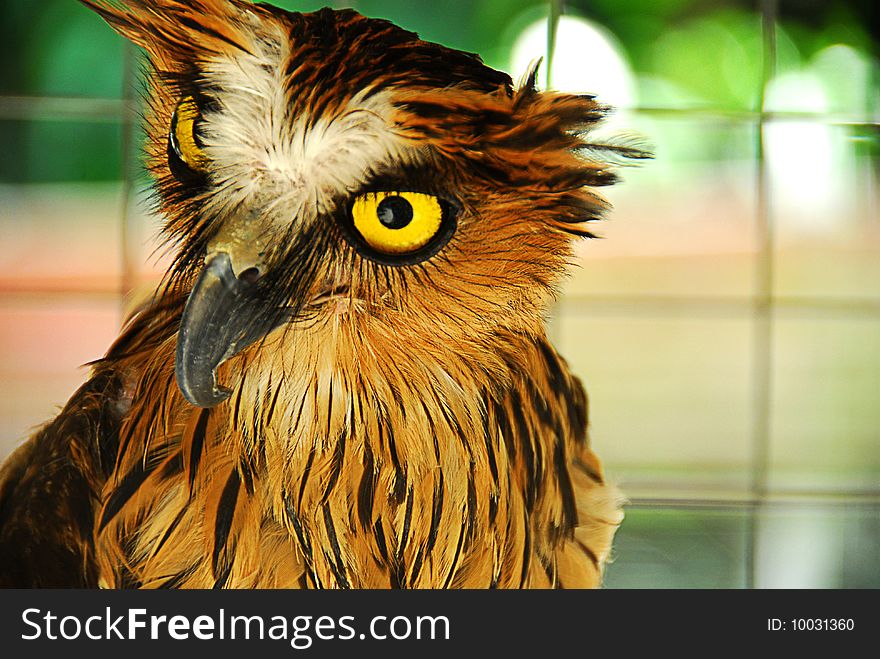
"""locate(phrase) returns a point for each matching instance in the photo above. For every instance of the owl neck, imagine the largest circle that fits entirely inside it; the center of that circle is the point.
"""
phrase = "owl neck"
(307, 391)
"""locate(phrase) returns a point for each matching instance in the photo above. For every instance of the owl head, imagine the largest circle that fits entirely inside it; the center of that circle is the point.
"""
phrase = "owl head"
(333, 176)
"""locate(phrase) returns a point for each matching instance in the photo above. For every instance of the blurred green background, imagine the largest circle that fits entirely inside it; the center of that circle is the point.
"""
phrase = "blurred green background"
(727, 326)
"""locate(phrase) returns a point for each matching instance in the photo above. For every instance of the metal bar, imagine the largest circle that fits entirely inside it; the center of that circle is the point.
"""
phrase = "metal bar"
(845, 502)
(57, 108)
(556, 10)
(732, 305)
(762, 356)
(128, 138)
(739, 116)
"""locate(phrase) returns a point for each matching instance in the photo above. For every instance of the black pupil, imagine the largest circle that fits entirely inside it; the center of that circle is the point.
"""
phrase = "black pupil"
(394, 212)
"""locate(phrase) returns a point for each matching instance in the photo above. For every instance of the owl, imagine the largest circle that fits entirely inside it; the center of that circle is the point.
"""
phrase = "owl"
(344, 379)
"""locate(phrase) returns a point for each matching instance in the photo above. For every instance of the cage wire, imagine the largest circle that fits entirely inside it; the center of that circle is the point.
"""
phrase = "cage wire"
(747, 517)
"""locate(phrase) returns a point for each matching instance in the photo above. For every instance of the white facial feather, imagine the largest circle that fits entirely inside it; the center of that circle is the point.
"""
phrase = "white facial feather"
(285, 167)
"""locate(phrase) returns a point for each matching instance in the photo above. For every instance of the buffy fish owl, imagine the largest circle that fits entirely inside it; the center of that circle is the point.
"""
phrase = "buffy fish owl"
(344, 379)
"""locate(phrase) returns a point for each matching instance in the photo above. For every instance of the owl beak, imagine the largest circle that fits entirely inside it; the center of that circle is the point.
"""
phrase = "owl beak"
(221, 318)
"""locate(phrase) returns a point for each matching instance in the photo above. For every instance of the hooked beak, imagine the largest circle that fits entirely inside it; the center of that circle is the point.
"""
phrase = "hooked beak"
(221, 318)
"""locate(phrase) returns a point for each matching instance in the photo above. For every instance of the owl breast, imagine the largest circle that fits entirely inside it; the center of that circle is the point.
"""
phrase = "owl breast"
(334, 467)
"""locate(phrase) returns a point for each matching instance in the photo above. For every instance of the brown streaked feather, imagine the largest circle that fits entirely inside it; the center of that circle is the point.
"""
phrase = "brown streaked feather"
(418, 431)
(50, 491)
(177, 32)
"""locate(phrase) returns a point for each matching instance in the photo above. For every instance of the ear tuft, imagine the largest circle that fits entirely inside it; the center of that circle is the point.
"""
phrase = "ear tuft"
(176, 33)
(529, 82)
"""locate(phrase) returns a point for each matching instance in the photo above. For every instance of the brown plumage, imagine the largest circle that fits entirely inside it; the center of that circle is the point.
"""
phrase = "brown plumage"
(312, 399)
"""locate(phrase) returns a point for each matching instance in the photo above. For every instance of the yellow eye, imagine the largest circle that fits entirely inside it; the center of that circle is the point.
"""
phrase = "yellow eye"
(397, 223)
(183, 136)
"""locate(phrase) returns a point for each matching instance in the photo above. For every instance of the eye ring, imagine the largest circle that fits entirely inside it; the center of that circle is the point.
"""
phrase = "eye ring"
(185, 155)
(399, 227)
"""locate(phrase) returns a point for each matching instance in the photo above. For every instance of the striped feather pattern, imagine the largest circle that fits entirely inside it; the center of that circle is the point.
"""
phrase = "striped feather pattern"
(369, 482)
(403, 426)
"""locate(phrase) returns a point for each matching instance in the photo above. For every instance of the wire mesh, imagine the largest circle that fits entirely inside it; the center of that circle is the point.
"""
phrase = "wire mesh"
(745, 528)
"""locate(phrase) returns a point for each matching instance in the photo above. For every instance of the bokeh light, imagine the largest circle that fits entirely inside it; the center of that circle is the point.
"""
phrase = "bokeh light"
(586, 59)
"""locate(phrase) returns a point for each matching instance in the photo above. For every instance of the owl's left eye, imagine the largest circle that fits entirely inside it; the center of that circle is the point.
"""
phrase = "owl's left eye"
(184, 152)
(401, 226)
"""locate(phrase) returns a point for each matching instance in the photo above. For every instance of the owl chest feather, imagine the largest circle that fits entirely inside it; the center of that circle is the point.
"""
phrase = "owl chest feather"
(342, 474)
(338, 466)
(387, 480)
